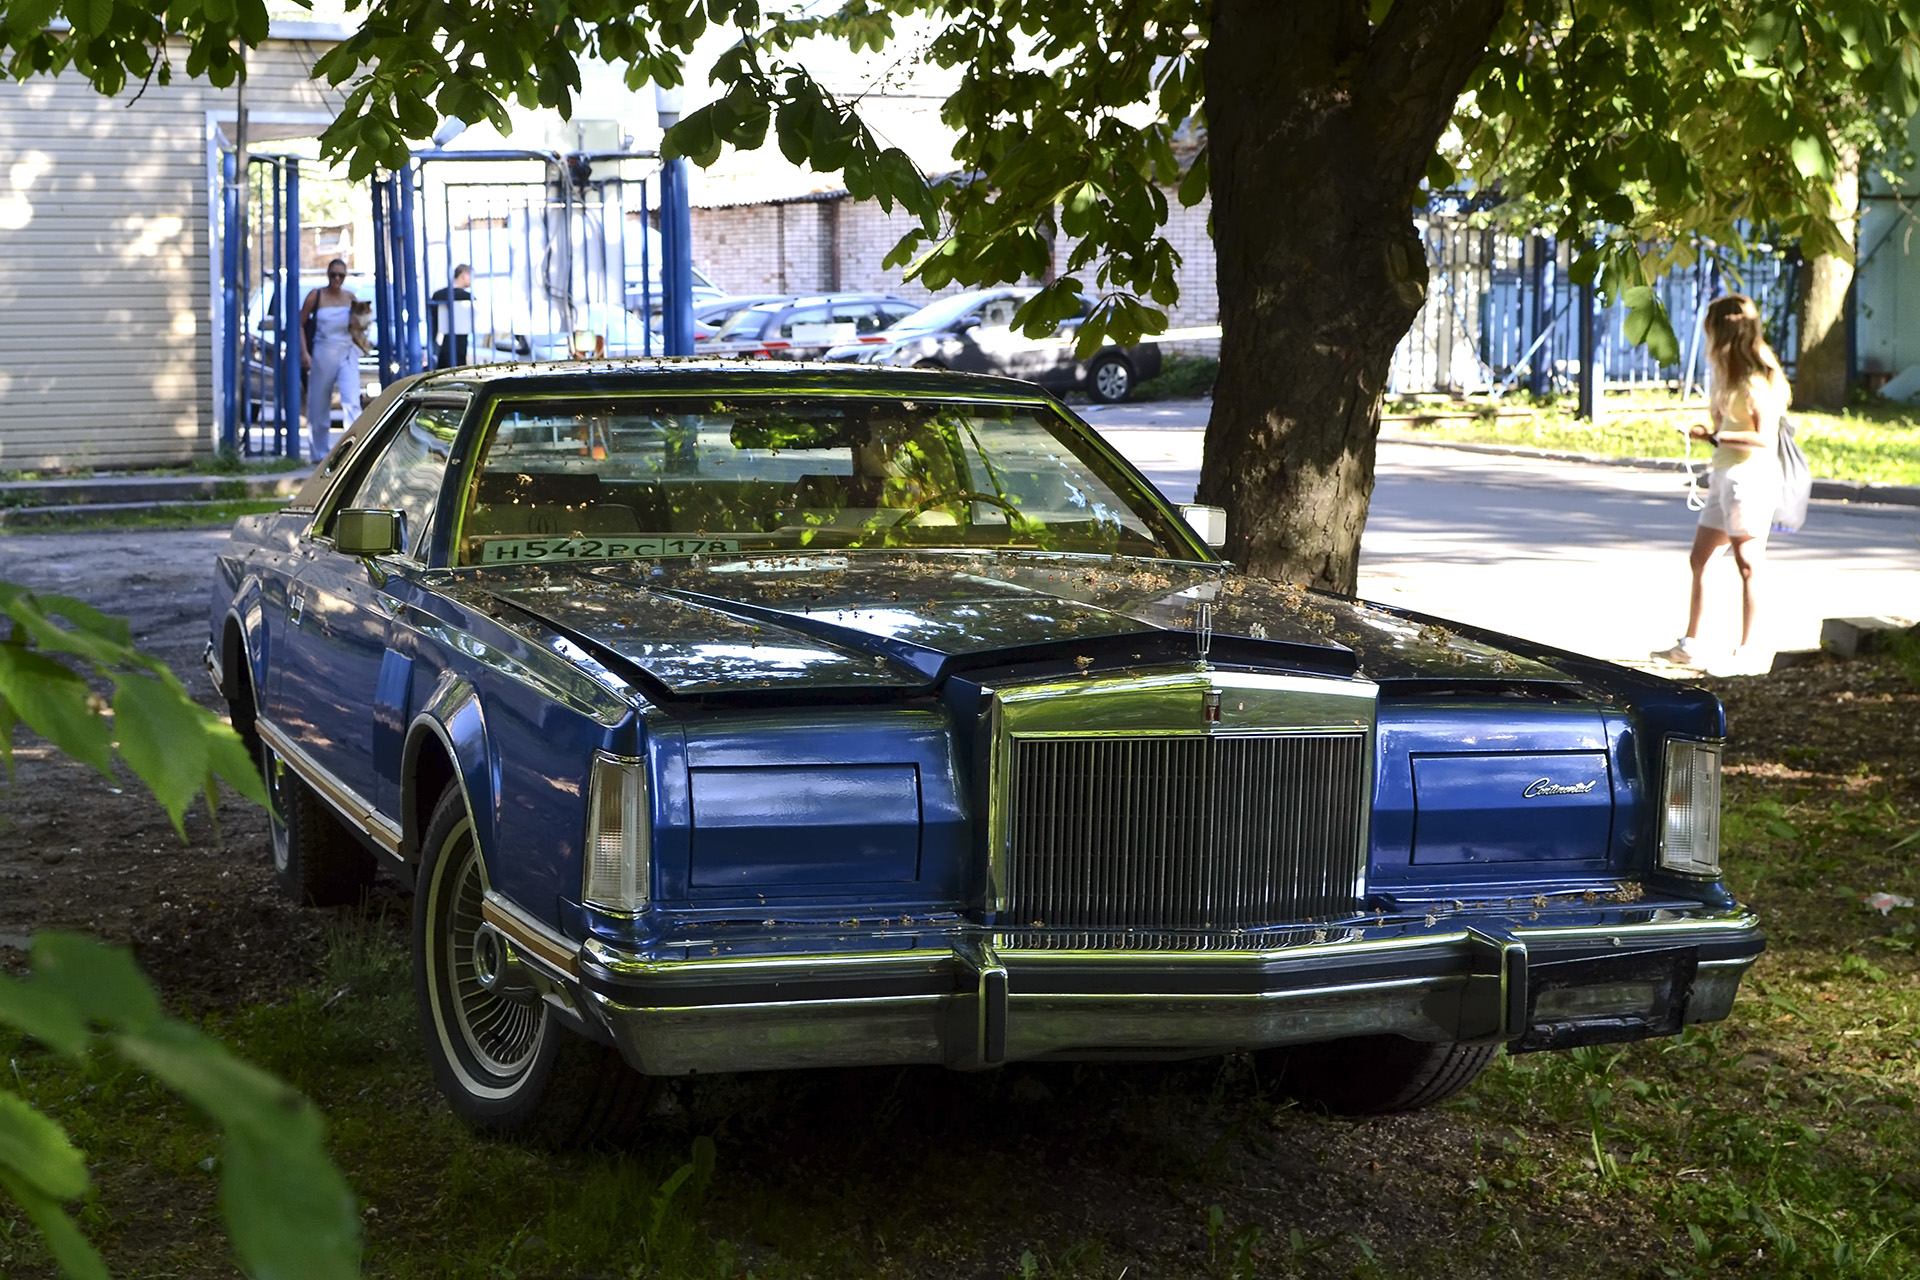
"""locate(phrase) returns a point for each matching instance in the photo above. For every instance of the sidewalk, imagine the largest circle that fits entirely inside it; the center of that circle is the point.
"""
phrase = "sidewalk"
(1180, 416)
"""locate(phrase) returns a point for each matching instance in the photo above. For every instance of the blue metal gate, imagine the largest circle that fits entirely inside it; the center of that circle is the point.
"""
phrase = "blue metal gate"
(571, 255)
(257, 374)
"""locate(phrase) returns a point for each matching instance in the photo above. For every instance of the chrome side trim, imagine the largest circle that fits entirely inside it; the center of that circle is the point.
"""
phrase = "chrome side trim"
(354, 808)
(549, 946)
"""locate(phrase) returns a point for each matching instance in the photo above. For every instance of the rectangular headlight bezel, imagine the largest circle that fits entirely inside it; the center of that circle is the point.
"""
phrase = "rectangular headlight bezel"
(617, 859)
(1689, 838)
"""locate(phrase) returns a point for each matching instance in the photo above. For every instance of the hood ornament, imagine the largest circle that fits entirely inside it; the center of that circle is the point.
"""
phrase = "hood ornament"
(1202, 630)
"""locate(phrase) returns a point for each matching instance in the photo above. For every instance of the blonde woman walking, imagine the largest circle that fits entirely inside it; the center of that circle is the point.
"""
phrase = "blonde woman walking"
(1748, 396)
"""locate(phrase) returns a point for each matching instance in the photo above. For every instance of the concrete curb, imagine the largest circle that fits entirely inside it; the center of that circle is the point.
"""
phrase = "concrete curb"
(1860, 491)
(139, 490)
(35, 517)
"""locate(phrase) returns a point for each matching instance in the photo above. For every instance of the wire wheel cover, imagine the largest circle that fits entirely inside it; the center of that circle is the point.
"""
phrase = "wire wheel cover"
(503, 1035)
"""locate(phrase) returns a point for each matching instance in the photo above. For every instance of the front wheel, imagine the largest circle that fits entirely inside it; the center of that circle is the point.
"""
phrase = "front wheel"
(499, 1054)
(1374, 1075)
(1110, 380)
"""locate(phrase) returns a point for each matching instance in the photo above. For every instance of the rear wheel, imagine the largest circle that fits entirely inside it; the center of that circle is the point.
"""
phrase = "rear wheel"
(1110, 380)
(499, 1053)
(316, 861)
(1373, 1075)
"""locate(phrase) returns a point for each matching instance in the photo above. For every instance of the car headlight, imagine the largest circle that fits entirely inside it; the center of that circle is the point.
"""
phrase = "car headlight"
(619, 836)
(1690, 820)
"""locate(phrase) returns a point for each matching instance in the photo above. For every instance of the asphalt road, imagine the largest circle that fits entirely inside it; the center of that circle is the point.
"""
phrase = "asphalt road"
(1589, 558)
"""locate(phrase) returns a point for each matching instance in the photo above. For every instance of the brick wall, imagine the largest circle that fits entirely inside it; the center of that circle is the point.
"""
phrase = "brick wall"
(837, 244)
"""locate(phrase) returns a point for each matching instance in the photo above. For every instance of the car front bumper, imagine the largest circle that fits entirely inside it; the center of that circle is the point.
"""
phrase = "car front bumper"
(980, 1000)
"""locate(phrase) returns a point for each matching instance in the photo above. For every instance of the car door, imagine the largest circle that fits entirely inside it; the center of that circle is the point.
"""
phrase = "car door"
(797, 335)
(989, 342)
(341, 608)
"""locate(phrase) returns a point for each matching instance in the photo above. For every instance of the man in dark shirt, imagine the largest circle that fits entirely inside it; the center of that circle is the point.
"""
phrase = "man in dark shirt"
(451, 317)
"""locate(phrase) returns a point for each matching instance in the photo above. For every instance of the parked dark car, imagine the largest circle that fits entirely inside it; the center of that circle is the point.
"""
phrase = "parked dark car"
(805, 328)
(734, 717)
(974, 333)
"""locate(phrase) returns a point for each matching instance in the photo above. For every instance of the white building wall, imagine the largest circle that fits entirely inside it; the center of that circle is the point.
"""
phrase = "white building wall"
(105, 311)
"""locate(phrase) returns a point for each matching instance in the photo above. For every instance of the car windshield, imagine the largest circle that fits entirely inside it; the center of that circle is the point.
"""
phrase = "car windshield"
(629, 477)
(749, 322)
(940, 314)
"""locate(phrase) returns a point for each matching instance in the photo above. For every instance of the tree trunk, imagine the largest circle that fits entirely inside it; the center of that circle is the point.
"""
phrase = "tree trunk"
(1821, 374)
(1319, 127)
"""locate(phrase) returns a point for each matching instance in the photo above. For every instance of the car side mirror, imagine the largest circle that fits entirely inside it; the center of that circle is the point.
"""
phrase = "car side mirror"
(367, 532)
(1209, 522)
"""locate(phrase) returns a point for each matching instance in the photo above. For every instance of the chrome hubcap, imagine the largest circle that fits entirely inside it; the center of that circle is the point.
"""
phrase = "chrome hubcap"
(500, 1023)
(1112, 381)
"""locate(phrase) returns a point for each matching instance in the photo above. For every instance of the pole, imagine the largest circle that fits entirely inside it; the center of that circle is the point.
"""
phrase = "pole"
(1542, 311)
(1590, 408)
(290, 300)
(409, 282)
(230, 301)
(646, 271)
(676, 247)
(382, 283)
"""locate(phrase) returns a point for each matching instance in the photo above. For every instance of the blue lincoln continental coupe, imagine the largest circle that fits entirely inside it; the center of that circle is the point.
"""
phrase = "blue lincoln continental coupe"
(733, 717)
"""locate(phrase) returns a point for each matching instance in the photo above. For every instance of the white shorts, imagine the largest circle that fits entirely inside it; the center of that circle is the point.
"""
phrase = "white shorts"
(1741, 499)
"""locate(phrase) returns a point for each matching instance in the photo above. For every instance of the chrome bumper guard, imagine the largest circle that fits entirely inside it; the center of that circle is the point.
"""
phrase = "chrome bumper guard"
(979, 1002)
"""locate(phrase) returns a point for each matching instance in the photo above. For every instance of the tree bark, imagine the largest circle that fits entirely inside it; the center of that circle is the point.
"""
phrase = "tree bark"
(1820, 375)
(1320, 127)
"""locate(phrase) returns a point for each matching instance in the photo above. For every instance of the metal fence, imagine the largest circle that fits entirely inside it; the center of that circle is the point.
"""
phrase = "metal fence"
(1502, 313)
(564, 254)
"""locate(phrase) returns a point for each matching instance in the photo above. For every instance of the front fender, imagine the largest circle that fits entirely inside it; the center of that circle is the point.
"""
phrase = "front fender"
(451, 720)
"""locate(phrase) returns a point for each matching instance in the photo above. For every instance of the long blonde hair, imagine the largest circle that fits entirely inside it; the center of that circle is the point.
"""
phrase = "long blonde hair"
(1738, 348)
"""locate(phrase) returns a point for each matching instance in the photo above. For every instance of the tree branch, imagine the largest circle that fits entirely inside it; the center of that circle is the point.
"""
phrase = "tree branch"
(1419, 60)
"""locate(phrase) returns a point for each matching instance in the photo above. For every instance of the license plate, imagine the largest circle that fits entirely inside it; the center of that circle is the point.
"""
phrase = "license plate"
(535, 550)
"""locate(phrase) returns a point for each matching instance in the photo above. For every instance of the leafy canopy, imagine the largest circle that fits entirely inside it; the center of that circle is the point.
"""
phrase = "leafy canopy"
(1643, 127)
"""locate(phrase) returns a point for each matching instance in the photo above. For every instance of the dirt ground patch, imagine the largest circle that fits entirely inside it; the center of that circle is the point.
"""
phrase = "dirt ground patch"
(1058, 1170)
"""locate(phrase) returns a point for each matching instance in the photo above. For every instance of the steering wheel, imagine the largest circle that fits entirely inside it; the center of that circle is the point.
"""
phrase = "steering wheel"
(932, 500)
(917, 509)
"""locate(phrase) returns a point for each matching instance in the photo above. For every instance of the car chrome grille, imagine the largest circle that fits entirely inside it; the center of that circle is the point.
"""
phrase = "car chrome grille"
(1184, 832)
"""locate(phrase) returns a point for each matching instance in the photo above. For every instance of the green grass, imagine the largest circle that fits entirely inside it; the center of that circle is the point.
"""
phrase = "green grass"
(1181, 378)
(196, 515)
(1875, 442)
(1777, 1144)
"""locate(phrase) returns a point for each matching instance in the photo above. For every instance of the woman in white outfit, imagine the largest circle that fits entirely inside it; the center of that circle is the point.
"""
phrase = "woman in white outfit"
(333, 361)
(1748, 397)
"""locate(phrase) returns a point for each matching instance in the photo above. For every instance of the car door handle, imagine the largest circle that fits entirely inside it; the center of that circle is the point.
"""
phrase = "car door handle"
(296, 606)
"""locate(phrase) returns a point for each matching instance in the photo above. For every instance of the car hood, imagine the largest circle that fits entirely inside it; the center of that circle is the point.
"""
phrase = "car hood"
(869, 621)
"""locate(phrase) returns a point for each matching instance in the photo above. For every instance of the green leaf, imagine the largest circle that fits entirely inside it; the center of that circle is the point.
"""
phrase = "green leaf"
(55, 703)
(288, 1210)
(100, 983)
(1441, 175)
(1193, 187)
(77, 1259)
(37, 1149)
(92, 16)
(45, 1015)
(162, 734)
(1810, 157)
